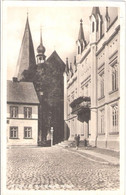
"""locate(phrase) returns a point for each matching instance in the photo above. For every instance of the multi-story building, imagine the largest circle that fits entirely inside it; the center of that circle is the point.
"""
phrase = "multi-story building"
(91, 90)
(22, 113)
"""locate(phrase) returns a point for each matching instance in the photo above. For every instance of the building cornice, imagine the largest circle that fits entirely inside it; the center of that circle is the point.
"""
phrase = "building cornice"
(86, 80)
(85, 55)
(74, 79)
(106, 103)
(27, 119)
(21, 103)
(107, 41)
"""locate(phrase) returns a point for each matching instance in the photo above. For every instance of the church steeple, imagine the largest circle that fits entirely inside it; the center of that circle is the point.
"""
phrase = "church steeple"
(67, 67)
(81, 42)
(41, 50)
(26, 59)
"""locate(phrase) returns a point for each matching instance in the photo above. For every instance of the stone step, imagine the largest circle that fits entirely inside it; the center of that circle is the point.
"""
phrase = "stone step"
(68, 143)
(65, 143)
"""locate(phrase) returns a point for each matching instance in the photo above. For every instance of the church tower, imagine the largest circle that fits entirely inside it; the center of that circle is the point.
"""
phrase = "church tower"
(41, 50)
(81, 43)
(95, 25)
(26, 59)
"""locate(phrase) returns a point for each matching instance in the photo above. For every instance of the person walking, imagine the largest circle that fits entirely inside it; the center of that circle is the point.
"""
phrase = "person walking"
(77, 140)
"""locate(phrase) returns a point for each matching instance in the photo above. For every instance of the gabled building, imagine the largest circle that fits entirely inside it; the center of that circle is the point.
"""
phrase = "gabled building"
(92, 95)
(22, 113)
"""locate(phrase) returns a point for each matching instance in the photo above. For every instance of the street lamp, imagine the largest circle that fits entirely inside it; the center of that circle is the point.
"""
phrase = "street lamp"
(41, 116)
(52, 130)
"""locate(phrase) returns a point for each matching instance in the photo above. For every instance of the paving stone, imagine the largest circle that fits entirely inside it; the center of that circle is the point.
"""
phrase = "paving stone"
(56, 168)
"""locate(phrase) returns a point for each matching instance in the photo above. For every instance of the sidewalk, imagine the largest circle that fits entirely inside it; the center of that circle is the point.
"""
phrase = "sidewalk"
(103, 156)
(100, 155)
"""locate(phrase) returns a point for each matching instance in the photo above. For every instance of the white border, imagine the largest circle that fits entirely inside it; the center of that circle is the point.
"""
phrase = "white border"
(120, 4)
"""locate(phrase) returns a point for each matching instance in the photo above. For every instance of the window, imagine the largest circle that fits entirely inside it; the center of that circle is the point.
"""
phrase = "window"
(13, 111)
(82, 48)
(27, 132)
(114, 78)
(78, 49)
(92, 26)
(102, 114)
(101, 85)
(13, 132)
(97, 25)
(27, 112)
(115, 118)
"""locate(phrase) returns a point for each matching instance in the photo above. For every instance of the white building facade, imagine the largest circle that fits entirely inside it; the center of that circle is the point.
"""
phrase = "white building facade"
(91, 84)
(22, 114)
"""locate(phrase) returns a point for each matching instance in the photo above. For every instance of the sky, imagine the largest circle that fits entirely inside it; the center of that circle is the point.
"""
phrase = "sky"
(60, 28)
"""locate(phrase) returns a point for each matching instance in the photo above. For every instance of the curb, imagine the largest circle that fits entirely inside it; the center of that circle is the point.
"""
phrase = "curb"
(91, 159)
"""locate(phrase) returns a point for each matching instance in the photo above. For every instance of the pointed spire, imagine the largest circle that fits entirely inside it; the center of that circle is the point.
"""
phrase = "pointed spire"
(81, 32)
(41, 36)
(81, 39)
(26, 59)
(75, 64)
(107, 20)
(71, 69)
(41, 50)
(67, 66)
(107, 15)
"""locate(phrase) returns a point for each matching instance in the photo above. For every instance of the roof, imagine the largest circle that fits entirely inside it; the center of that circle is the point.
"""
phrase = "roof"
(55, 59)
(21, 92)
(26, 57)
(96, 12)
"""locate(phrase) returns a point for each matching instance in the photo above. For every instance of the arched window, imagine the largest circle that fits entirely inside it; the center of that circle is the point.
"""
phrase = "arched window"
(78, 49)
(97, 26)
(81, 47)
(92, 26)
(115, 118)
(114, 78)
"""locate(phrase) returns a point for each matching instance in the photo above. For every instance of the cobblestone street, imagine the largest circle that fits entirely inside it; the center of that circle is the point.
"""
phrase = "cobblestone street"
(57, 169)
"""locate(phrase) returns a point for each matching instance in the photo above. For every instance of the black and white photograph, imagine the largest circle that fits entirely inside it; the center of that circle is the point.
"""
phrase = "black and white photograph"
(62, 105)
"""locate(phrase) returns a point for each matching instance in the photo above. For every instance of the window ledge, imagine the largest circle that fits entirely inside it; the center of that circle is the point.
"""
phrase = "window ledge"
(28, 138)
(113, 133)
(113, 91)
(13, 117)
(101, 133)
(13, 138)
(101, 98)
